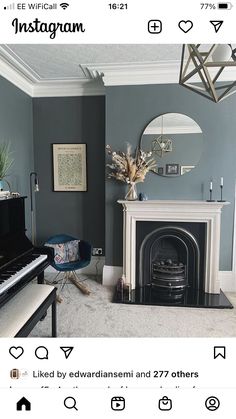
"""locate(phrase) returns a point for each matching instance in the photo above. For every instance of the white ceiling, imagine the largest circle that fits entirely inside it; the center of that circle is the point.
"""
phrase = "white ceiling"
(63, 61)
(73, 70)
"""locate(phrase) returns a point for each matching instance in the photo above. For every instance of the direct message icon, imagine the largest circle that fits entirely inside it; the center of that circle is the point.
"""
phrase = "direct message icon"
(67, 350)
(217, 24)
(165, 403)
(118, 403)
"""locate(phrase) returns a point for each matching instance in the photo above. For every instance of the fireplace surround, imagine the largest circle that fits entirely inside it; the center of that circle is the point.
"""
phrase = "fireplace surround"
(171, 253)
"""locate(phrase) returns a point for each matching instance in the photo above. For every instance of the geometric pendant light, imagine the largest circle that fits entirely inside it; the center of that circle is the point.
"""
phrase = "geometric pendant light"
(161, 144)
(203, 70)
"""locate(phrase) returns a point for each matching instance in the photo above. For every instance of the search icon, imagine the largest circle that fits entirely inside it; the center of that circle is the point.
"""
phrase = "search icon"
(70, 403)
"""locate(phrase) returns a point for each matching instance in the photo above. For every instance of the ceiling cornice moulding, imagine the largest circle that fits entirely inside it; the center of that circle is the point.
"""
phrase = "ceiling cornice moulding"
(14, 69)
(68, 88)
(26, 79)
(163, 72)
(11, 70)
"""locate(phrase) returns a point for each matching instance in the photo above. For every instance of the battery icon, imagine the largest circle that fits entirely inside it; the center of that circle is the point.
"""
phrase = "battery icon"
(226, 6)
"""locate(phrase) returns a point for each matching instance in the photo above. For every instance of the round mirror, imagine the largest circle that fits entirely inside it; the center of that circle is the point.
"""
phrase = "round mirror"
(176, 143)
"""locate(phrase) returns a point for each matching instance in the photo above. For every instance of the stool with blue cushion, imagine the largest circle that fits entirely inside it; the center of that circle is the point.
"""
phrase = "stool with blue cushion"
(70, 254)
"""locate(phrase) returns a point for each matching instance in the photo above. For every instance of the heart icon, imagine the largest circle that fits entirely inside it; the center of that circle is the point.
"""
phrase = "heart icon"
(185, 25)
(16, 351)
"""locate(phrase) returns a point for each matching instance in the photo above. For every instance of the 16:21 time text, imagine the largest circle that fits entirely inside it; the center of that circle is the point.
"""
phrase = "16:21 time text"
(118, 6)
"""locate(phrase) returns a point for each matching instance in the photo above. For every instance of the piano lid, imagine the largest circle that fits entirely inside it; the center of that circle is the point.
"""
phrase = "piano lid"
(13, 241)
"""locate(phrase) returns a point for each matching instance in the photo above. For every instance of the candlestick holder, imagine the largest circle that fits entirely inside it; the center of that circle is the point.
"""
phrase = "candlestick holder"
(210, 200)
(221, 195)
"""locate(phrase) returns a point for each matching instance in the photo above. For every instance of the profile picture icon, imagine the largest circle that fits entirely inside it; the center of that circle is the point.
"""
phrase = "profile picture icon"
(15, 374)
(212, 403)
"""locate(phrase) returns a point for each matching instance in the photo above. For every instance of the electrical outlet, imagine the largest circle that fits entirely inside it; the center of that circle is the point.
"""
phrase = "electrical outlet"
(97, 251)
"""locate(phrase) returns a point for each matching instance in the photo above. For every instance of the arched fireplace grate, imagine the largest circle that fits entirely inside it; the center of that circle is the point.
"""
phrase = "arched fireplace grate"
(169, 261)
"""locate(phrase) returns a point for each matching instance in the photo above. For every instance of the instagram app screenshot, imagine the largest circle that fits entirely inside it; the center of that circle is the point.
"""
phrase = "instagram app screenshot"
(117, 209)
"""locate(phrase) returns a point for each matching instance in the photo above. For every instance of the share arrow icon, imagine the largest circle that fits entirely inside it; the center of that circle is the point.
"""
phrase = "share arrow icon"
(217, 24)
(67, 350)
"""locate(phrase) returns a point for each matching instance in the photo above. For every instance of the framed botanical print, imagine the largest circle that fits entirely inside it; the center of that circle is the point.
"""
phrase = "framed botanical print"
(69, 167)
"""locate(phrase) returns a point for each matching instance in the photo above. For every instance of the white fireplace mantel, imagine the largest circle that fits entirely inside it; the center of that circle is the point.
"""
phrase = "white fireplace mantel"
(175, 211)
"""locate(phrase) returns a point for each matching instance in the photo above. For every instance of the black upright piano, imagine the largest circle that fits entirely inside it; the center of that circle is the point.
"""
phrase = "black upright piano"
(20, 261)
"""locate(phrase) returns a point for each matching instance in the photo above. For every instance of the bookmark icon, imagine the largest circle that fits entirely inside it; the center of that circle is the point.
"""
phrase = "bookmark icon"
(219, 352)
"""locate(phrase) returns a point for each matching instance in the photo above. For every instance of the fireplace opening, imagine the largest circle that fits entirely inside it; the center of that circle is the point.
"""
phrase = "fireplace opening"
(169, 260)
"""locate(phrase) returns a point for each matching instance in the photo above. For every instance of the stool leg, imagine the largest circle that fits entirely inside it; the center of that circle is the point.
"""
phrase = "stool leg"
(40, 278)
(59, 299)
(54, 319)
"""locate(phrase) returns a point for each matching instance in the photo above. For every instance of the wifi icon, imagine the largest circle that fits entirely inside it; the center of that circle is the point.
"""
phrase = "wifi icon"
(64, 5)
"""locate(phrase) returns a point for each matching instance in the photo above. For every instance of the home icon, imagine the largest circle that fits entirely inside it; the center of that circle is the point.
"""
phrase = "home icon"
(23, 404)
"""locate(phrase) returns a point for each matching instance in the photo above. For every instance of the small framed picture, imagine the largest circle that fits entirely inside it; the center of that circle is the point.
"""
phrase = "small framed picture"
(160, 170)
(69, 167)
(172, 169)
(186, 169)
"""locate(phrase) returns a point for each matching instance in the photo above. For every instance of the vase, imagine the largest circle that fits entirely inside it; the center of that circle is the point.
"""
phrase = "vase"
(132, 192)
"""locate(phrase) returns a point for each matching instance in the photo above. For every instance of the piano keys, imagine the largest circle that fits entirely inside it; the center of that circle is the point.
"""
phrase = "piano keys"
(20, 261)
(18, 270)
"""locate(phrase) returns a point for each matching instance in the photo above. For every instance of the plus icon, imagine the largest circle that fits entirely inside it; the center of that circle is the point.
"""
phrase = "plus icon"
(154, 26)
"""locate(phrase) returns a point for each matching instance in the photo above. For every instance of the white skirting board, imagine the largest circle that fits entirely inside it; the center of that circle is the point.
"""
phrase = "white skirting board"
(111, 274)
(228, 281)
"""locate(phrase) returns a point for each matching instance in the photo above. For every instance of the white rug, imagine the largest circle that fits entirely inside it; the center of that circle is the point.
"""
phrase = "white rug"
(96, 316)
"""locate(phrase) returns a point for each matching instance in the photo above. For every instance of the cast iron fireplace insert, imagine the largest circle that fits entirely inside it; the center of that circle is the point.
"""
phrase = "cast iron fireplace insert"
(170, 267)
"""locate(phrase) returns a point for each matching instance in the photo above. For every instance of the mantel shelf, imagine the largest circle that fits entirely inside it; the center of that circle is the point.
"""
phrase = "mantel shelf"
(173, 203)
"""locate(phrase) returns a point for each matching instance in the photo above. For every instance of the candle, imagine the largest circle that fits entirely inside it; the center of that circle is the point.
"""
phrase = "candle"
(221, 181)
(211, 185)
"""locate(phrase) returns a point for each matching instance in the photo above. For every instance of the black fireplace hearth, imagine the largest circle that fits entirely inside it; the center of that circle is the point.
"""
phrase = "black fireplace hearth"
(149, 295)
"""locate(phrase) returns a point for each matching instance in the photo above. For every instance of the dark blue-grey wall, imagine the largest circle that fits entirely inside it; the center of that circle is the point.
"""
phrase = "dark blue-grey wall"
(128, 110)
(70, 120)
(16, 127)
(82, 119)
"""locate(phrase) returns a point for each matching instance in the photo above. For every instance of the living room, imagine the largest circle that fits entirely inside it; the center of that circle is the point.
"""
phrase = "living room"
(49, 96)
